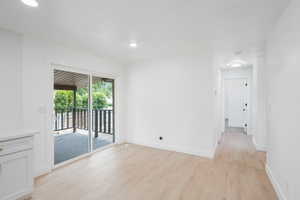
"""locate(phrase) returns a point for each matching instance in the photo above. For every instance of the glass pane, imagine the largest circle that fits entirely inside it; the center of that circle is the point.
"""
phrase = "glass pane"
(102, 112)
(70, 130)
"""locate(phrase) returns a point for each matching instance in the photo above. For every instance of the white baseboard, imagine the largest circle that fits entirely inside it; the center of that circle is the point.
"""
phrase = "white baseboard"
(41, 171)
(257, 146)
(275, 184)
(19, 195)
(260, 147)
(208, 153)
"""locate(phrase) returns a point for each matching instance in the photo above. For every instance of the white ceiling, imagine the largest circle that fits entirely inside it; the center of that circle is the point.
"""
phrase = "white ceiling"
(161, 27)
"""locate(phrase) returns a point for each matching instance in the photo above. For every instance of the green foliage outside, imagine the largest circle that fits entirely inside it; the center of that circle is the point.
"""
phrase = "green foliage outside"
(63, 100)
(102, 97)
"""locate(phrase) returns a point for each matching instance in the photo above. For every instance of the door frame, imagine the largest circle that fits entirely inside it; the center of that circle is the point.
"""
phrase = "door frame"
(116, 105)
(250, 97)
(246, 78)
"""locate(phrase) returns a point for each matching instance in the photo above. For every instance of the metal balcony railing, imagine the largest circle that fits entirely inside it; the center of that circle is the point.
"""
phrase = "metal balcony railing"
(102, 120)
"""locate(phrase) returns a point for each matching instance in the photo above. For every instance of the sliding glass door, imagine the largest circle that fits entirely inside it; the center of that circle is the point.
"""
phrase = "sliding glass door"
(83, 114)
(70, 131)
(102, 112)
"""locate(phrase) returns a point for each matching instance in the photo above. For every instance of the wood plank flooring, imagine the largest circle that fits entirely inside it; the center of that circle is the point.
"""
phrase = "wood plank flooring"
(132, 172)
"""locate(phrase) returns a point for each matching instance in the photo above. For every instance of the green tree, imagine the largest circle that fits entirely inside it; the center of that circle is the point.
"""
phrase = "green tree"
(63, 100)
(82, 99)
(102, 97)
(99, 100)
(103, 87)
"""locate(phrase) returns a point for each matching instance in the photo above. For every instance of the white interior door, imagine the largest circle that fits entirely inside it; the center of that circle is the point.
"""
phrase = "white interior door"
(236, 101)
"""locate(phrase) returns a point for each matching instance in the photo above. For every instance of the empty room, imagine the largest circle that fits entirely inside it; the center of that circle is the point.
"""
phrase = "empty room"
(151, 100)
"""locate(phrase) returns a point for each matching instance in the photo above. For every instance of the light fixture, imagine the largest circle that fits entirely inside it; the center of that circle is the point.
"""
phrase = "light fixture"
(133, 44)
(237, 63)
(31, 3)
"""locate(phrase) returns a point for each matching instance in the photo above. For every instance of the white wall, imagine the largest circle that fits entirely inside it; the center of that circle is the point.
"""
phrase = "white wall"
(259, 121)
(172, 98)
(10, 81)
(38, 87)
(283, 71)
(26, 88)
(26, 83)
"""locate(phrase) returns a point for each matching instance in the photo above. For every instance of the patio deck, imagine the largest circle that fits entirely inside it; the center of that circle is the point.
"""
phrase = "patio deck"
(70, 145)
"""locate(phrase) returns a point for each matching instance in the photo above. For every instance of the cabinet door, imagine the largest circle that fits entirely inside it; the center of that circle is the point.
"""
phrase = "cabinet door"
(16, 175)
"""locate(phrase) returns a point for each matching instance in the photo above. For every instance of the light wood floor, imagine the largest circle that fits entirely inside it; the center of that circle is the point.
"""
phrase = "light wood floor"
(132, 172)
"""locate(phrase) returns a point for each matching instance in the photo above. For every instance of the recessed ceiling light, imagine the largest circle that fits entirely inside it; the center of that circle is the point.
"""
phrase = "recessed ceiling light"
(133, 44)
(31, 3)
(236, 65)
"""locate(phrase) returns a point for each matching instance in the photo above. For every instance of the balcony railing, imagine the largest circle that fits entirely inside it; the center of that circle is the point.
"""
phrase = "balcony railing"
(78, 119)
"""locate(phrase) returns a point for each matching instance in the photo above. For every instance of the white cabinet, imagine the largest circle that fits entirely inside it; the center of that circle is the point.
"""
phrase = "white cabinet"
(16, 168)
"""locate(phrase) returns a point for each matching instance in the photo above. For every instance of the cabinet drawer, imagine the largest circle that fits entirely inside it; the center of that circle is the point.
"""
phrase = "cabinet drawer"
(16, 145)
(16, 175)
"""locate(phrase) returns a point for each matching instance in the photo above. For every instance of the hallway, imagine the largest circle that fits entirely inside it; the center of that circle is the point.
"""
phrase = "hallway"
(130, 172)
(238, 148)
